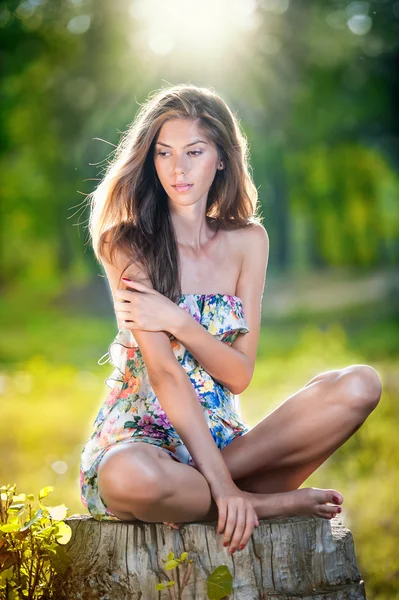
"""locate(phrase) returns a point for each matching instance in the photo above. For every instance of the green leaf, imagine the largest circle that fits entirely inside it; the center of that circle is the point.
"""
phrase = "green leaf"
(16, 506)
(6, 575)
(170, 583)
(45, 491)
(61, 561)
(219, 583)
(171, 564)
(30, 497)
(19, 498)
(46, 532)
(160, 586)
(13, 595)
(48, 553)
(63, 533)
(13, 519)
(10, 527)
(37, 516)
(171, 555)
(58, 513)
(183, 555)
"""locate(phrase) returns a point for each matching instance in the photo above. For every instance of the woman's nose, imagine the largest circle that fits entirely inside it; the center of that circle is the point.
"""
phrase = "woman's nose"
(180, 165)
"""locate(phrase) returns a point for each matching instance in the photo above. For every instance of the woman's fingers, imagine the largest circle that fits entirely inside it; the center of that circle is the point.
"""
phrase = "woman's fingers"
(239, 527)
(230, 522)
(252, 521)
(222, 514)
(241, 520)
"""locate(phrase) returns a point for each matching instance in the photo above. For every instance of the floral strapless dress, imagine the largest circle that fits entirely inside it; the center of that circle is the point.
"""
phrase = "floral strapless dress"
(132, 412)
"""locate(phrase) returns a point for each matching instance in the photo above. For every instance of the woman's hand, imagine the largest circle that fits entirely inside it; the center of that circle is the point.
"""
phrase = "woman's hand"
(142, 307)
(237, 516)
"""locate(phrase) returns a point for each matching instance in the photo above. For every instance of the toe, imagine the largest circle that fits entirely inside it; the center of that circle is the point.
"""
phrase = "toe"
(336, 497)
(332, 496)
(328, 510)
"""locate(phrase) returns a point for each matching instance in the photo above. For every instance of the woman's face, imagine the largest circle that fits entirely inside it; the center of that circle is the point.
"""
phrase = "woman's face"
(183, 154)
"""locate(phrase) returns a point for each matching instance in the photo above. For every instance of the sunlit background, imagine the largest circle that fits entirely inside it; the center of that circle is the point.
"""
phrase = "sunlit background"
(315, 87)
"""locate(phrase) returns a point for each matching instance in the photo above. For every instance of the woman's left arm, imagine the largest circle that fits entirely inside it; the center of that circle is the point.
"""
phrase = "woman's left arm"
(233, 366)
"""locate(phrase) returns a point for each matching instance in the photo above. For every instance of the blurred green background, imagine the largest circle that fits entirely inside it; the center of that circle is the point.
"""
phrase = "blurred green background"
(315, 86)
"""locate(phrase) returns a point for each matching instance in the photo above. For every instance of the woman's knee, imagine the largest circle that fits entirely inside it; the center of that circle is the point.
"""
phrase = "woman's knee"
(362, 386)
(131, 474)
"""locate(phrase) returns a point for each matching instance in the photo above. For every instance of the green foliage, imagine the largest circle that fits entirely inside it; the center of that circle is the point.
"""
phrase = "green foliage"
(32, 536)
(318, 110)
(351, 191)
(172, 564)
(323, 129)
(365, 469)
(219, 582)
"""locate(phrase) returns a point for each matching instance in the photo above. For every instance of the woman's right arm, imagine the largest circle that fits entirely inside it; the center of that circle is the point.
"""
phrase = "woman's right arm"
(177, 397)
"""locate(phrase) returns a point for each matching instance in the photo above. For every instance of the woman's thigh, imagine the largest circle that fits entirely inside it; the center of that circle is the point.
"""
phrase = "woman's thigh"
(307, 427)
(130, 471)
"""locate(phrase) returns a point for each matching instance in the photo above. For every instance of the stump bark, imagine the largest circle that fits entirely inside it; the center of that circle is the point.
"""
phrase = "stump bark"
(290, 558)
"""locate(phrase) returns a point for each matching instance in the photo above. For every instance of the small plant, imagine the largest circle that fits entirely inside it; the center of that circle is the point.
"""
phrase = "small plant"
(173, 562)
(31, 544)
(219, 582)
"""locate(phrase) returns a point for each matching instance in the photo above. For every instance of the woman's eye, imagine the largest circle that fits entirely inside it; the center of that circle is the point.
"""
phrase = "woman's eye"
(194, 152)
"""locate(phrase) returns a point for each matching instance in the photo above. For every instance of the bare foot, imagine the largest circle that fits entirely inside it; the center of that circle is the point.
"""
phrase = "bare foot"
(309, 501)
(305, 501)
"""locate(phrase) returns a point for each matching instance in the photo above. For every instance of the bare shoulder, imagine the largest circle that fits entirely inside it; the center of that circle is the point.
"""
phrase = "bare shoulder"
(253, 242)
(122, 265)
(255, 234)
(249, 240)
(154, 345)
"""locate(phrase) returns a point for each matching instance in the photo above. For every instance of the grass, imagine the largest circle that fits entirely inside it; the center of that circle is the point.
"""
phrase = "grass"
(52, 389)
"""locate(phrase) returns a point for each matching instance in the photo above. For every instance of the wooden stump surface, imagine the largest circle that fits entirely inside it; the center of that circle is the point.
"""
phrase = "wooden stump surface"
(291, 558)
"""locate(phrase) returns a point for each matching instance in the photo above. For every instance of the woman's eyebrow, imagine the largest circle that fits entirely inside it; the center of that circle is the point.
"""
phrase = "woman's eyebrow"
(191, 144)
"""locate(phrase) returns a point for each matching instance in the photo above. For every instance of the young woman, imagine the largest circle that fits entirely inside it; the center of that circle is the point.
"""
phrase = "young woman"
(175, 215)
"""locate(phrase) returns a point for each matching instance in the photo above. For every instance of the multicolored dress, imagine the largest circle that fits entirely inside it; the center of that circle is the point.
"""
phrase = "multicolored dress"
(132, 412)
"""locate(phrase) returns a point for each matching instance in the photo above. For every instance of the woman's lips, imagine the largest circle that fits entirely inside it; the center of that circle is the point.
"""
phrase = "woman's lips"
(183, 188)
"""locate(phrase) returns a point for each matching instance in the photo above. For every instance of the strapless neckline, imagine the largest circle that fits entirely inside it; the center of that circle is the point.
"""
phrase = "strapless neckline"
(222, 315)
(215, 294)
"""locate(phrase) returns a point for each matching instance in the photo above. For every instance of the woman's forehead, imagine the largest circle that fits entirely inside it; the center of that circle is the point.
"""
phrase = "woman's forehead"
(181, 132)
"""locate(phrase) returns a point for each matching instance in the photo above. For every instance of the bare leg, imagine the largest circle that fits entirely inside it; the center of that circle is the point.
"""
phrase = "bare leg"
(299, 435)
(290, 443)
(143, 481)
(139, 481)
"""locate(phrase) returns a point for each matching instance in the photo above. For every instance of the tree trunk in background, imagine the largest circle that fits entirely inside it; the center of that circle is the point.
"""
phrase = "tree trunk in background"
(280, 212)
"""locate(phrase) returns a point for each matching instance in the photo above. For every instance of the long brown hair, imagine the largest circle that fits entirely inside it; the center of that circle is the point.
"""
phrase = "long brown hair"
(129, 207)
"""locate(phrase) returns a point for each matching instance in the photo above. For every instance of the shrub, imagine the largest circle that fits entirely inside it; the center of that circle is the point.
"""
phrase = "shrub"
(32, 536)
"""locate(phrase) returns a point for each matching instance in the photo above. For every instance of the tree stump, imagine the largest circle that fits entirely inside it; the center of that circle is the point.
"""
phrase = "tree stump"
(308, 558)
